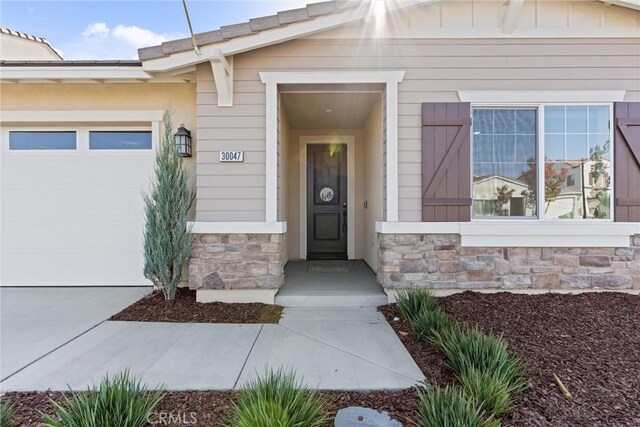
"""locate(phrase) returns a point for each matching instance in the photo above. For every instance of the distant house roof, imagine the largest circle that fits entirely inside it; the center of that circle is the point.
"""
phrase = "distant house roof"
(282, 19)
(30, 37)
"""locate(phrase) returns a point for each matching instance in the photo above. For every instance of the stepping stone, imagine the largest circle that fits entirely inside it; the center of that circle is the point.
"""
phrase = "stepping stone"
(355, 416)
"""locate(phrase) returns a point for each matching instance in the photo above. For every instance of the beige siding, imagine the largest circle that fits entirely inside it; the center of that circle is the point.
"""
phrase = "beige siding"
(435, 70)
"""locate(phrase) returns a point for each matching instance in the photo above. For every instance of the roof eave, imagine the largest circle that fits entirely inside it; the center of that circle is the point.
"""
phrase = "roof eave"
(268, 37)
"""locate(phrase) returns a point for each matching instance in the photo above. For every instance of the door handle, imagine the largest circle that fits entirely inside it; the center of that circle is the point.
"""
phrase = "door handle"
(344, 220)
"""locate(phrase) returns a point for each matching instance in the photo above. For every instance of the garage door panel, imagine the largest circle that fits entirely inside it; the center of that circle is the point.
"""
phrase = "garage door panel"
(69, 204)
(62, 270)
(80, 171)
(74, 218)
(71, 237)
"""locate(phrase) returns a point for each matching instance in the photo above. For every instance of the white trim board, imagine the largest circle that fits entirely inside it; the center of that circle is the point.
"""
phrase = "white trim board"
(351, 188)
(82, 116)
(272, 79)
(550, 234)
(540, 96)
(203, 227)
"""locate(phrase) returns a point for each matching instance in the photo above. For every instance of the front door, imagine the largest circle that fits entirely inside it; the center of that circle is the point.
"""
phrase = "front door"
(327, 201)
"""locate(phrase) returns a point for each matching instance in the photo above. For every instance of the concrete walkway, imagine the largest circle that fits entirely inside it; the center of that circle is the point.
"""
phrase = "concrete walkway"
(36, 321)
(331, 348)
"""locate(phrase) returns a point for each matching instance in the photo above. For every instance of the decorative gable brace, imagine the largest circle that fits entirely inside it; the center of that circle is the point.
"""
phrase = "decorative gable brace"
(446, 161)
(223, 75)
(627, 161)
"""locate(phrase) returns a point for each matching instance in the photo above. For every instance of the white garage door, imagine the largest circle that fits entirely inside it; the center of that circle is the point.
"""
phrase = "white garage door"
(72, 209)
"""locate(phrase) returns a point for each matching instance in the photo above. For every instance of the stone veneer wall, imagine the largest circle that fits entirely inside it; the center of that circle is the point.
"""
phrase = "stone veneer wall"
(238, 261)
(439, 262)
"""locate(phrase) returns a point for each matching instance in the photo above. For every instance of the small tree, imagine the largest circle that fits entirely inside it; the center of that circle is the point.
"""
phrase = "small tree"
(167, 238)
(503, 200)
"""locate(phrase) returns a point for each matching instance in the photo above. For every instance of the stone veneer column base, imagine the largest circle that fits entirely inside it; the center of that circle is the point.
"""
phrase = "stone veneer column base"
(440, 263)
(237, 267)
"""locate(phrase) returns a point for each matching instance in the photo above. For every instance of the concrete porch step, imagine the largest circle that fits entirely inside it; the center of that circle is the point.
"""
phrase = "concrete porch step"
(331, 299)
(329, 284)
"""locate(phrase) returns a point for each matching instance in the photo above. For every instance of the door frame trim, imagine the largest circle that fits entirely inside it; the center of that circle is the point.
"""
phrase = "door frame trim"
(349, 140)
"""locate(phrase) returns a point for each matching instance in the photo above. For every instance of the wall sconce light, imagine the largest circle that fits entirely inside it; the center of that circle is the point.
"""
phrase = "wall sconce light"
(183, 141)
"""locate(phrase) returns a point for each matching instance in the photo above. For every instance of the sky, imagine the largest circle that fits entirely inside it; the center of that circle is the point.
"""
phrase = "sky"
(115, 29)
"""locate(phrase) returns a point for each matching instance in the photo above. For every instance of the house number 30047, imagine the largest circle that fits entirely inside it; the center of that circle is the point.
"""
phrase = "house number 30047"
(232, 156)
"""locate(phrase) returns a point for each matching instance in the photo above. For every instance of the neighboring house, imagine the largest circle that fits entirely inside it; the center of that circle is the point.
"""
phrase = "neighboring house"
(354, 120)
(15, 45)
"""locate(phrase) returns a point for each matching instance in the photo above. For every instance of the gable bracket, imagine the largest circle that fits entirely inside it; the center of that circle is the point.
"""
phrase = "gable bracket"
(223, 76)
(511, 16)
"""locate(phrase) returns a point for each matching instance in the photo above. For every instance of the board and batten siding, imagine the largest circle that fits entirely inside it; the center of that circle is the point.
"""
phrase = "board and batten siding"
(435, 70)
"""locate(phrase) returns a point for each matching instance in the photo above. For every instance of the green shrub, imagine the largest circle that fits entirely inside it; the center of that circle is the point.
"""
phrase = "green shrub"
(412, 302)
(7, 417)
(472, 349)
(449, 407)
(121, 401)
(425, 323)
(490, 392)
(278, 400)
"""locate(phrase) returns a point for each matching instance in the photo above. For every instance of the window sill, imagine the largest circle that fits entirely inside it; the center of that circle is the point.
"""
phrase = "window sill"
(516, 233)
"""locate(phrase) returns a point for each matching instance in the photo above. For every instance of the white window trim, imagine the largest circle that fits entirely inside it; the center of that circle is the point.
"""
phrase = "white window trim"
(204, 227)
(351, 188)
(82, 140)
(540, 141)
(541, 97)
(519, 233)
(272, 79)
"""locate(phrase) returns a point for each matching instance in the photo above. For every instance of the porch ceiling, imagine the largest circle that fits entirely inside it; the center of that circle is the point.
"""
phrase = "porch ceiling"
(328, 110)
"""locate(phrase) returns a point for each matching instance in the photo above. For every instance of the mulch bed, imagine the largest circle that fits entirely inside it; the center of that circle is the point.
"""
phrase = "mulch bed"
(185, 309)
(591, 341)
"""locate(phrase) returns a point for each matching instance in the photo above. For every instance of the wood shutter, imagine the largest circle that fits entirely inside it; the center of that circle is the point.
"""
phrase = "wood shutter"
(446, 161)
(627, 161)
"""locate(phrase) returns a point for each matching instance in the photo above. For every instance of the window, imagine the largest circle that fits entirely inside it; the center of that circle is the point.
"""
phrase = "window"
(42, 140)
(576, 148)
(577, 162)
(504, 162)
(119, 140)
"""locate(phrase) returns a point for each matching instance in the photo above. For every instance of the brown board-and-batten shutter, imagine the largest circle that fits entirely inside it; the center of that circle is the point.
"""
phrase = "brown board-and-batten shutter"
(627, 161)
(446, 161)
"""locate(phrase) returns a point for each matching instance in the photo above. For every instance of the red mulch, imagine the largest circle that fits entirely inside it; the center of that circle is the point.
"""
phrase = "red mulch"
(185, 309)
(591, 341)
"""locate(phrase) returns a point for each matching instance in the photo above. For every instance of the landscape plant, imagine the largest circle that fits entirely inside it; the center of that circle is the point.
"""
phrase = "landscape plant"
(7, 417)
(167, 238)
(428, 322)
(412, 302)
(121, 401)
(472, 349)
(489, 376)
(489, 391)
(278, 399)
(450, 407)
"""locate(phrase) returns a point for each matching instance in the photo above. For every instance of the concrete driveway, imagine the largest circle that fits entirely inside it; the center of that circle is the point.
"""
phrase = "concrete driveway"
(36, 321)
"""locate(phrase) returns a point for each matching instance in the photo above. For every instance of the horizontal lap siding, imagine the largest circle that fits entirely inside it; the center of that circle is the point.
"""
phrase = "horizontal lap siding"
(230, 191)
(435, 71)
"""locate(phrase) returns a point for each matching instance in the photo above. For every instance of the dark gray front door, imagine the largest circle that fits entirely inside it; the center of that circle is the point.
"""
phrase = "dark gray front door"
(327, 201)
